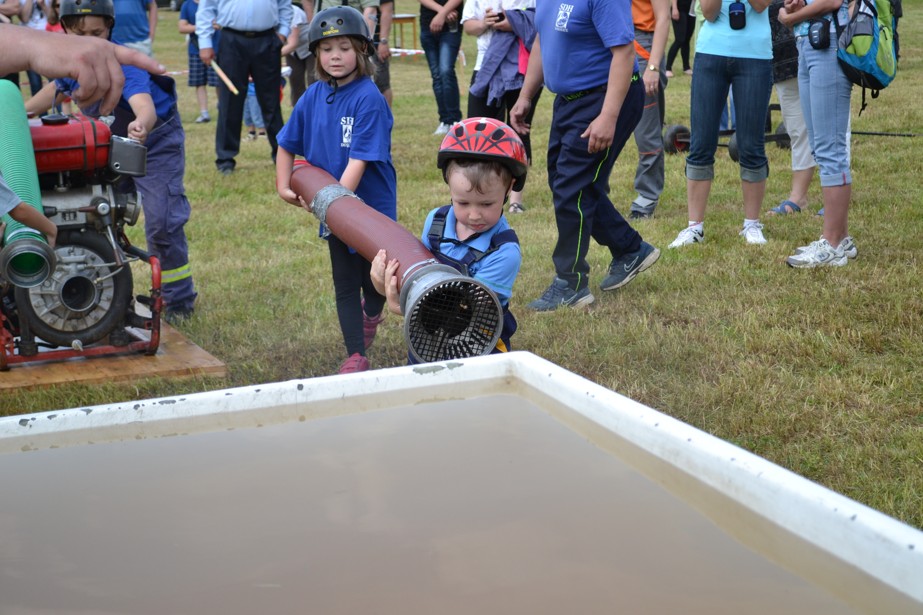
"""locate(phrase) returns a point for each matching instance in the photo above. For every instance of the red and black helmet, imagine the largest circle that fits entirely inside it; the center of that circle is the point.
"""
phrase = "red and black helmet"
(483, 138)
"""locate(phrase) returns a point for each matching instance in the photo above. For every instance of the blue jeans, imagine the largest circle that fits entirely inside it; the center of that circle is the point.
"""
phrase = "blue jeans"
(441, 52)
(825, 93)
(711, 81)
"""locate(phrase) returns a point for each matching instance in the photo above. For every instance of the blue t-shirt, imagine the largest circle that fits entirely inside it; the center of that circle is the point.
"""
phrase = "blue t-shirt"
(187, 12)
(137, 81)
(131, 21)
(753, 42)
(357, 124)
(497, 270)
(576, 37)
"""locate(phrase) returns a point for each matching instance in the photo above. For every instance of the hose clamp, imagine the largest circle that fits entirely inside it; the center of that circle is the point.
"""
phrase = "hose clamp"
(325, 196)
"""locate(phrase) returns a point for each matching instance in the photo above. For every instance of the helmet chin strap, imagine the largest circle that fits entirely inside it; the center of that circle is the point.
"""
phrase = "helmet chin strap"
(335, 84)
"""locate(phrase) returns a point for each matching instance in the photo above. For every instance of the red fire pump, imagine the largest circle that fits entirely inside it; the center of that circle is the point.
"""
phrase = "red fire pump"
(86, 306)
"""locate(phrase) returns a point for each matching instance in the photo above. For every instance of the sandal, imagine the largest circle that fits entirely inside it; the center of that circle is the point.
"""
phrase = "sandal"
(517, 208)
(784, 208)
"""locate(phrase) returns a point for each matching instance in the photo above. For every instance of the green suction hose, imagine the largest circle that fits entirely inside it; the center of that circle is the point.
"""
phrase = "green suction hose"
(26, 259)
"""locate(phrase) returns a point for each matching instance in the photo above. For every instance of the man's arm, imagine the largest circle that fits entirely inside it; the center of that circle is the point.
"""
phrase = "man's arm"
(96, 64)
(152, 17)
(384, 30)
(535, 77)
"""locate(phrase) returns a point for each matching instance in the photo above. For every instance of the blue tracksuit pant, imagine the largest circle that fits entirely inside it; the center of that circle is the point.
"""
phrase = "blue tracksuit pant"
(166, 210)
(579, 182)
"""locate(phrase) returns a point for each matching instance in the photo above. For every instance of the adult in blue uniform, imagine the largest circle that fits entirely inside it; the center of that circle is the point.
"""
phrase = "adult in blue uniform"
(147, 112)
(252, 35)
(595, 111)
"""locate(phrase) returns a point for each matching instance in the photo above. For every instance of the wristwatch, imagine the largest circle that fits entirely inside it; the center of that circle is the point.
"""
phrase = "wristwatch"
(653, 67)
(383, 40)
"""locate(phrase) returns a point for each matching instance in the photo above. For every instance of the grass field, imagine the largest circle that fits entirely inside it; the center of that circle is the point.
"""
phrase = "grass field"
(818, 371)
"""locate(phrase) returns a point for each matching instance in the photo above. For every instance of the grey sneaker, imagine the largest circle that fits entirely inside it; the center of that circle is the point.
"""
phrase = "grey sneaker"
(203, 118)
(623, 269)
(818, 254)
(847, 245)
(687, 236)
(559, 294)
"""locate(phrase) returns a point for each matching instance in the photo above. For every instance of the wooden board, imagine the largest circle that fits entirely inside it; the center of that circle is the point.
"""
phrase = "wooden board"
(176, 357)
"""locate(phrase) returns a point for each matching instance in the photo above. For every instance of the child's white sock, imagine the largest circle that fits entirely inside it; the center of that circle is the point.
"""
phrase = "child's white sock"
(748, 222)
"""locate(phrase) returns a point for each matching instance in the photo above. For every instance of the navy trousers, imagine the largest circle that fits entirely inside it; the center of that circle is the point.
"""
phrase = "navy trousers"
(240, 58)
(166, 210)
(579, 182)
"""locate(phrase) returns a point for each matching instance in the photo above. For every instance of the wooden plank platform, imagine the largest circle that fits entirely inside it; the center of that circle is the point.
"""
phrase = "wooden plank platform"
(176, 357)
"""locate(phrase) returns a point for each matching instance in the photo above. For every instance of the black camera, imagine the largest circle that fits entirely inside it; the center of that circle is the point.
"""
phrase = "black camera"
(737, 14)
(819, 33)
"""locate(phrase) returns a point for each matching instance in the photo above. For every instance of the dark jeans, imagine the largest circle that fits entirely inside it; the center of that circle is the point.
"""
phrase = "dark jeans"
(711, 81)
(683, 29)
(441, 53)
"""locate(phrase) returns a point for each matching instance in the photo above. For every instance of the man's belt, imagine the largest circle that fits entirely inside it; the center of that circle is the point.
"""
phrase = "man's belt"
(600, 88)
(249, 34)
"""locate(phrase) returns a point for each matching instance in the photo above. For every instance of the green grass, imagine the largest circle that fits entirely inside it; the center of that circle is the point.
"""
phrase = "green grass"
(818, 371)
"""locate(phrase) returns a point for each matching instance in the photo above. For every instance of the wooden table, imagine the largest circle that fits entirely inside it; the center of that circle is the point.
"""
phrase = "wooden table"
(398, 23)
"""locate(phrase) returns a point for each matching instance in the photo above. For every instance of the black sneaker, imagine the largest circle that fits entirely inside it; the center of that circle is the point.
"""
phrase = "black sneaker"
(623, 269)
(559, 294)
(639, 215)
(176, 317)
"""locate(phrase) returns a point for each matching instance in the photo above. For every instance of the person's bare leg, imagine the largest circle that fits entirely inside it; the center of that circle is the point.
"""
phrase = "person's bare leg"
(836, 213)
(697, 191)
(201, 94)
(753, 198)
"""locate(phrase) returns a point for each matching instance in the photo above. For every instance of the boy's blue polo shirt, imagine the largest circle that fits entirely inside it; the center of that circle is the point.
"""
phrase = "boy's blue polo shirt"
(497, 270)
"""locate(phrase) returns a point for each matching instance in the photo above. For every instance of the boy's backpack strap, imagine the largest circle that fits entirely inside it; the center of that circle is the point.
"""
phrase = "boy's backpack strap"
(437, 228)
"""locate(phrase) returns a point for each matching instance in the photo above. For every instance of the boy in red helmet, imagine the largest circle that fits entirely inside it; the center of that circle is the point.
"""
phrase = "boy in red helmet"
(482, 161)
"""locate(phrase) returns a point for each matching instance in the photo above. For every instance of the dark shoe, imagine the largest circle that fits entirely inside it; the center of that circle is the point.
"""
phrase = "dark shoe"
(226, 170)
(178, 316)
(639, 215)
(623, 269)
(559, 294)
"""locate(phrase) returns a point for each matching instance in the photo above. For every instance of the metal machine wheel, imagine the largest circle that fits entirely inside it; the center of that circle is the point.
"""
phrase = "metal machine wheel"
(783, 141)
(85, 298)
(733, 152)
(675, 139)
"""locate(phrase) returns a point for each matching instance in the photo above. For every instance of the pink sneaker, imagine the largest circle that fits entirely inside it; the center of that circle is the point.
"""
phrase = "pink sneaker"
(355, 363)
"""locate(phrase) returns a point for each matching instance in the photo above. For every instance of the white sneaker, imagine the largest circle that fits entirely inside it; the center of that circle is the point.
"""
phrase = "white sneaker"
(687, 236)
(847, 245)
(441, 129)
(818, 254)
(753, 233)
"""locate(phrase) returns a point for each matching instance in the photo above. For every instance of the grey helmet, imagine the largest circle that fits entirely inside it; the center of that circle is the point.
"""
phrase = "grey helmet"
(337, 21)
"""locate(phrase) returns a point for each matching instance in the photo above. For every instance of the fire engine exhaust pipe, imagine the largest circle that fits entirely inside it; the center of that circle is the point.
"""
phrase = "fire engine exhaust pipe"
(446, 315)
(26, 259)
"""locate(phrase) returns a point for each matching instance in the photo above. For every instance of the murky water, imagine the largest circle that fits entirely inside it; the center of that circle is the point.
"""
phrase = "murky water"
(487, 506)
